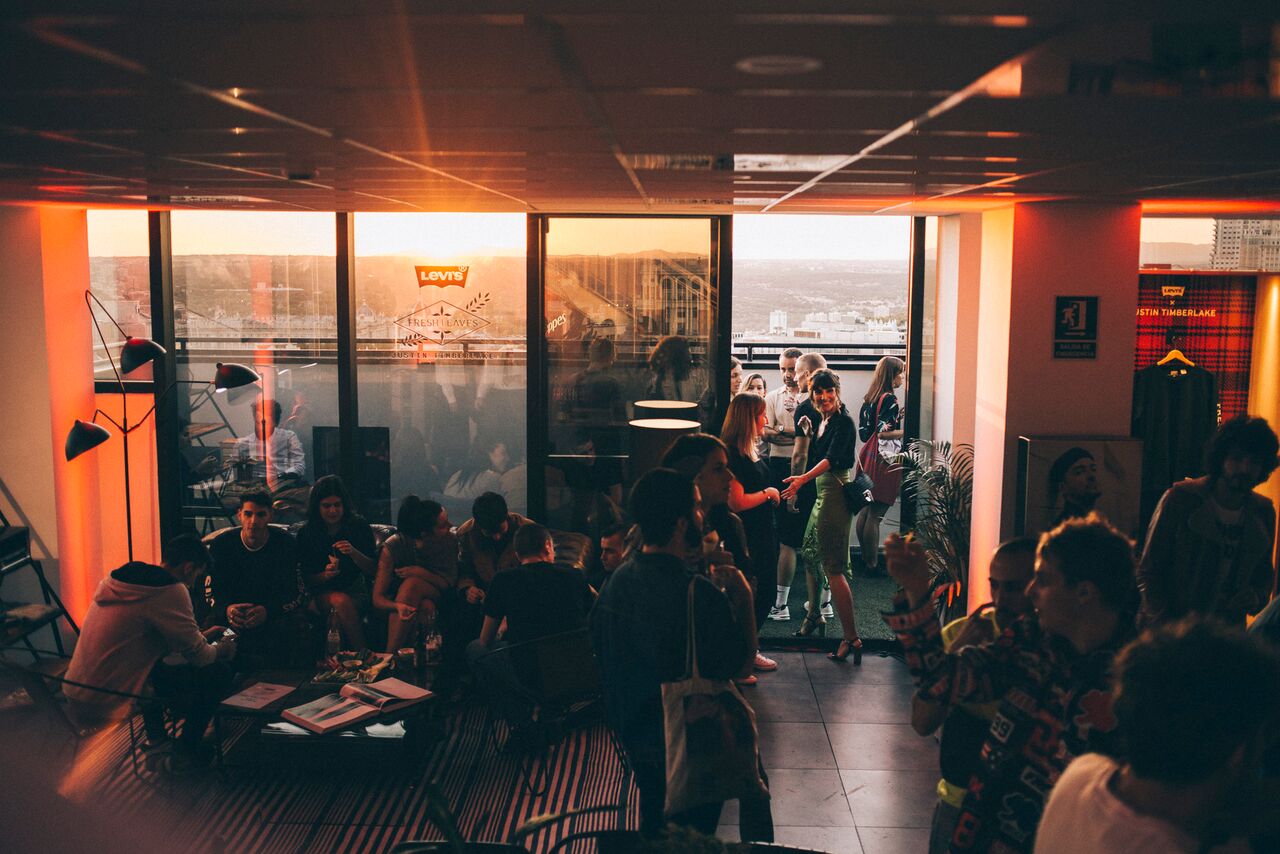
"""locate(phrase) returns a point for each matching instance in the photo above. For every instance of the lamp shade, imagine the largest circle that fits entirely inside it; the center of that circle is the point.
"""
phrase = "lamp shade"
(136, 352)
(651, 438)
(666, 409)
(231, 375)
(84, 436)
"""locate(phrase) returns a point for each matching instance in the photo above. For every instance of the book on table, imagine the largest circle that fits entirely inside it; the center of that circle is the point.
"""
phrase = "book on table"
(355, 703)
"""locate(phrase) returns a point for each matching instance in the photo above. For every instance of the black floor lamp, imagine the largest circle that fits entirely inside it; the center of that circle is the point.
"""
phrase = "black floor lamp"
(136, 352)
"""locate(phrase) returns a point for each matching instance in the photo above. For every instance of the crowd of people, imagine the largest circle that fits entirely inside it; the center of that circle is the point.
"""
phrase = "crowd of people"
(1105, 699)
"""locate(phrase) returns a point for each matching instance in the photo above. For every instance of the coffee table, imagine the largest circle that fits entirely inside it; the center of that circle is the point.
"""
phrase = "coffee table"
(370, 739)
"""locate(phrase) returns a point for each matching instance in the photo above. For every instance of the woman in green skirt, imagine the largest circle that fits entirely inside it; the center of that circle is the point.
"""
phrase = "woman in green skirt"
(826, 538)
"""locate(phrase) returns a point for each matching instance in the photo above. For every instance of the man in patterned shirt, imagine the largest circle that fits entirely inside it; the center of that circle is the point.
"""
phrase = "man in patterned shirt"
(1051, 673)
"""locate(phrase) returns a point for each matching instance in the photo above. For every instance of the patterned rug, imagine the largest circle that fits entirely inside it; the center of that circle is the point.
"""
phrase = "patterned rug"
(271, 806)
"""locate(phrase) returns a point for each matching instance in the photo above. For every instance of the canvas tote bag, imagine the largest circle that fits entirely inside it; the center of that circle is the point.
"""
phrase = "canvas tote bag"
(713, 748)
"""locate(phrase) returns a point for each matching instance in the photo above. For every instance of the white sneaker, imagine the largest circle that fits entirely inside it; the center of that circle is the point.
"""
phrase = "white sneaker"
(783, 613)
(764, 663)
(827, 610)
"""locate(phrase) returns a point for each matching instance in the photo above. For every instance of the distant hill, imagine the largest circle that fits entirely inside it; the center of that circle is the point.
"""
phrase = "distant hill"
(1185, 255)
(800, 287)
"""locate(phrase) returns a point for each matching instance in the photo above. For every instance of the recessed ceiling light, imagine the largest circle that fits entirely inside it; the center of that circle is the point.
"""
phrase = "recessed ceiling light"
(776, 65)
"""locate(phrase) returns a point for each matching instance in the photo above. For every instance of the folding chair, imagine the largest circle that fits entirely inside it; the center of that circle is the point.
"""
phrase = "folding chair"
(559, 674)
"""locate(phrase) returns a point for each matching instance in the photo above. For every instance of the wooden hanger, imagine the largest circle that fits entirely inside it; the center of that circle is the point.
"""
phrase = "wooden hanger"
(1175, 355)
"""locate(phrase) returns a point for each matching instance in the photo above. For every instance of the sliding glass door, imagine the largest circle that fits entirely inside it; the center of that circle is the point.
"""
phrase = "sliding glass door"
(630, 320)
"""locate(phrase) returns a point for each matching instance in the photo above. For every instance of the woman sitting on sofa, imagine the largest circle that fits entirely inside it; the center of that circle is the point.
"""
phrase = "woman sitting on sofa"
(335, 552)
(418, 564)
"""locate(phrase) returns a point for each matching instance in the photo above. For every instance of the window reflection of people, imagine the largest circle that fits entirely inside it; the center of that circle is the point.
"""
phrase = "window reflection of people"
(597, 408)
(1073, 480)
(671, 369)
(273, 454)
(484, 473)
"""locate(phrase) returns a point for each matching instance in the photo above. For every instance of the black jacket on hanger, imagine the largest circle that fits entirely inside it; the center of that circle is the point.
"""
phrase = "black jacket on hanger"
(1175, 413)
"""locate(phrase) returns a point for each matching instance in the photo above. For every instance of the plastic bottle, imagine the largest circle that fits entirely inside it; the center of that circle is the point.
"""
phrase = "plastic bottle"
(333, 639)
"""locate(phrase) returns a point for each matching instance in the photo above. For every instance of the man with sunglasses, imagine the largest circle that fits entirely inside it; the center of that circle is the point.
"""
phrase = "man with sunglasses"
(966, 725)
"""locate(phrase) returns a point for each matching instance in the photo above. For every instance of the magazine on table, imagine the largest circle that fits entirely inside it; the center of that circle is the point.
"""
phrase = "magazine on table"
(354, 703)
(259, 695)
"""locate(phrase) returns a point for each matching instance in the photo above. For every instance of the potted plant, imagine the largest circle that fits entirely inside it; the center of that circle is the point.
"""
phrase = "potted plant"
(938, 478)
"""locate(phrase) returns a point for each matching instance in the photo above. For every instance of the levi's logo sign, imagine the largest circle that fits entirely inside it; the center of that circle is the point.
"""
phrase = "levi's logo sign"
(1172, 290)
(442, 277)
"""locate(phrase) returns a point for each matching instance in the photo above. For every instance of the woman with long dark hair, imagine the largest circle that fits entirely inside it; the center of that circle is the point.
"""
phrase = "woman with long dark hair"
(419, 563)
(826, 537)
(336, 553)
(880, 416)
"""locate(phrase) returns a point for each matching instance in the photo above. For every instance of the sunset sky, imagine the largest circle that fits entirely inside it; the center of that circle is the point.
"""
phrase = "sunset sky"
(434, 236)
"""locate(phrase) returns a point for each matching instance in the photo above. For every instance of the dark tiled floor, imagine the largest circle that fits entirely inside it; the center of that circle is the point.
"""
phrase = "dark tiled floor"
(846, 771)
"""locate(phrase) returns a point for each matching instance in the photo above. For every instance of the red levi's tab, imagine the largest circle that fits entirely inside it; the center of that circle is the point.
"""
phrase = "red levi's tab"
(442, 277)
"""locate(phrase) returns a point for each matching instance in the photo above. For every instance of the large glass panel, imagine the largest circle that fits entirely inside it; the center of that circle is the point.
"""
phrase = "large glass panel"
(838, 286)
(630, 317)
(119, 276)
(256, 289)
(441, 347)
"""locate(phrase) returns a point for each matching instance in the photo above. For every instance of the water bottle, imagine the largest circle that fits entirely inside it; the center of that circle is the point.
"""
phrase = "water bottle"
(432, 643)
(333, 640)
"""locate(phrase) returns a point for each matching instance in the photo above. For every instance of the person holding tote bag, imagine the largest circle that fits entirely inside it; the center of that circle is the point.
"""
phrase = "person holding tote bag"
(640, 629)
(880, 427)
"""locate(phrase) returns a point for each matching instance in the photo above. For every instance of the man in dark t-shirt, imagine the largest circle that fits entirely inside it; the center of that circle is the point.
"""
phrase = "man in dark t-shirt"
(534, 600)
(255, 587)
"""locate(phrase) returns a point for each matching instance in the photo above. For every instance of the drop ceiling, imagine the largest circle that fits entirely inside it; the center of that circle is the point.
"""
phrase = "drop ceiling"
(874, 107)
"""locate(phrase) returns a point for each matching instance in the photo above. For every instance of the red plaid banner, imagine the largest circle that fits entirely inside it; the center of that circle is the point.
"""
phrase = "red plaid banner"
(1214, 315)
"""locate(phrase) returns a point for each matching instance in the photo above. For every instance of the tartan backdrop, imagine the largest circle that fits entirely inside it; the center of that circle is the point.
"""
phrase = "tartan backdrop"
(1222, 344)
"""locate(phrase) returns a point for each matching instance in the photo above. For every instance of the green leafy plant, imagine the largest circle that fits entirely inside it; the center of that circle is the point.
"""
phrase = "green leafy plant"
(938, 478)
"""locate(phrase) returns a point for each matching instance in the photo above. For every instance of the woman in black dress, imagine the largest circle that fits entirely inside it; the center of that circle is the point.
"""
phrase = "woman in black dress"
(336, 554)
(753, 497)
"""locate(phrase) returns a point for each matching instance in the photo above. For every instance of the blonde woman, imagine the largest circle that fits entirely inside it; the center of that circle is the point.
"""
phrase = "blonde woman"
(881, 417)
(753, 497)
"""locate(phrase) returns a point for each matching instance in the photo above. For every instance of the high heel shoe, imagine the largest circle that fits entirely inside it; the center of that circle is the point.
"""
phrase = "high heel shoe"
(813, 621)
(848, 646)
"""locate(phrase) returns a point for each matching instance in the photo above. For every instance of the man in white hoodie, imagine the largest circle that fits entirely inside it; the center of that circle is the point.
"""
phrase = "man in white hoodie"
(140, 615)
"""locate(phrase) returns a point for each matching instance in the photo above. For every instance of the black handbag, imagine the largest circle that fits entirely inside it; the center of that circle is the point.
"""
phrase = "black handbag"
(857, 491)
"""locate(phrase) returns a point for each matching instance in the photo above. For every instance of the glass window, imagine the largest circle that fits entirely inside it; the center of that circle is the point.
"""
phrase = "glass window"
(1200, 243)
(256, 289)
(837, 285)
(441, 346)
(119, 276)
(630, 323)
